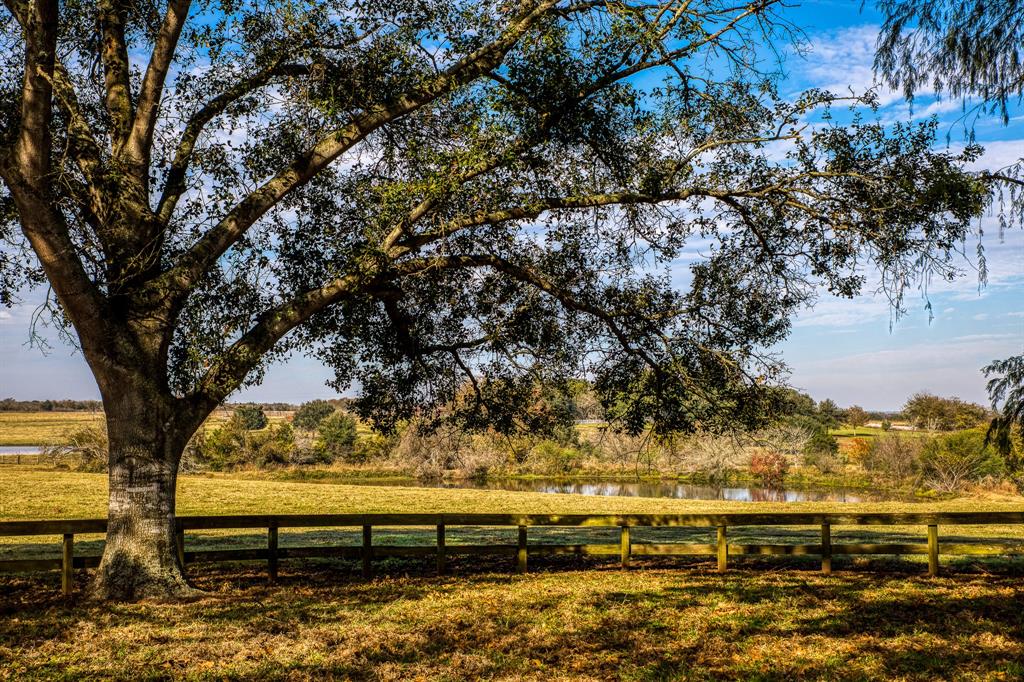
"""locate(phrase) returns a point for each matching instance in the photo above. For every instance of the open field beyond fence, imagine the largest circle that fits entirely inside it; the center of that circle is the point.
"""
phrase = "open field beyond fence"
(51, 428)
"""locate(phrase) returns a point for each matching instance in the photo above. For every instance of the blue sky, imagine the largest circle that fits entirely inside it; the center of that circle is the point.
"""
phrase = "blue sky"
(850, 351)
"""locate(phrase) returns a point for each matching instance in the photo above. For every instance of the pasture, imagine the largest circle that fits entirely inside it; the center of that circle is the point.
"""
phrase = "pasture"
(775, 618)
(51, 428)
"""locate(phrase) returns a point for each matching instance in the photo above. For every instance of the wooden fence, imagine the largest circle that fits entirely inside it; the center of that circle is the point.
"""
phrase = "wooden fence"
(20, 458)
(519, 552)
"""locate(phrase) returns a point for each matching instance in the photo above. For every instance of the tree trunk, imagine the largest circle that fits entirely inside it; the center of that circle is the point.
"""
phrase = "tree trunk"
(146, 440)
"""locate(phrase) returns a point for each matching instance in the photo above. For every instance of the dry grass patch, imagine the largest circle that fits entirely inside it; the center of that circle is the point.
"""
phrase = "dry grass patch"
(43, 428)
(580, 623)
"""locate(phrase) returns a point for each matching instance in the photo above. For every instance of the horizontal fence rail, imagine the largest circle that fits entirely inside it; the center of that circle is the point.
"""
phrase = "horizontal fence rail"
(519, 552)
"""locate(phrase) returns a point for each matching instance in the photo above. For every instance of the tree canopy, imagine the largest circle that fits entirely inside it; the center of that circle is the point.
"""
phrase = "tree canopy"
(425, 191)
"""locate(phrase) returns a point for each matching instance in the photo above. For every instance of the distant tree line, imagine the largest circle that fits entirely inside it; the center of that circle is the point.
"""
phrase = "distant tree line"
(12, 405)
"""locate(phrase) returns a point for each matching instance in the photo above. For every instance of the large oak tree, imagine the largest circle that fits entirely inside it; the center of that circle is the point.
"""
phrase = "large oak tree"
(429, 195)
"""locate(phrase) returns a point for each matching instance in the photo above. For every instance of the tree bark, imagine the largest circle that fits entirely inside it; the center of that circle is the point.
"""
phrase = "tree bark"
(146, 440)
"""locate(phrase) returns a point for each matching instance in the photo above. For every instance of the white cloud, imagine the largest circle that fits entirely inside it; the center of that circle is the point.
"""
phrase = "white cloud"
(882, 379)
(841, 61)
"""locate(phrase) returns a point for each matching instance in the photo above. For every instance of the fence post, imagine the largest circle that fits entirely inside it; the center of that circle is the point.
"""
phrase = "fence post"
(521, 552)
(933, 550)
(440, 548)
(179, 545)
(272, 551)
(67, 573)
(367, 551)
(826, 548)
(624, 547)
(723, 550)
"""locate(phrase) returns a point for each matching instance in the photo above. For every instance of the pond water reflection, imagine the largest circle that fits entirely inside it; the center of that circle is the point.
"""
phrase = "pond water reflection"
(664, 489)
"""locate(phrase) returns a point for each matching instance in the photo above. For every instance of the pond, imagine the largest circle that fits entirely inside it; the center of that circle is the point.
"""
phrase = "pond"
(663, 489)
(20, 449)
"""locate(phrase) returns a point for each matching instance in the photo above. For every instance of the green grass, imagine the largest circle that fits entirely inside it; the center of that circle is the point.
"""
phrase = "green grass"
(873, 432)
(35, 492)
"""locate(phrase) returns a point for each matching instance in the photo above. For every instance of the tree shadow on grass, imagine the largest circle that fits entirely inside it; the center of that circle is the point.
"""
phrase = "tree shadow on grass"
(580, 619)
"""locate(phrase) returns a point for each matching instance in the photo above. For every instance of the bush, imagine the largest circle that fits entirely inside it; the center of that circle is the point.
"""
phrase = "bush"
(896, 457)
(859, 448)
(714, 458)
(825, 461)
(275, 445)
(309, 415)
(337, 437)
(953, 460)
(886, 425)
(770, 468)
(86, 449)
(372, 447)
(250, 417)
(821, 442)
(232, 446)
(556, 459)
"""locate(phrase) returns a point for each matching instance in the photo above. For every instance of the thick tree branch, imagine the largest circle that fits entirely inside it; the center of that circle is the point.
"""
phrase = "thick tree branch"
(140, 139)
(81, 139)
(232, 366)
(116, 71)
(219, 239)
(527, 275)
(174, 185)
(27, 173)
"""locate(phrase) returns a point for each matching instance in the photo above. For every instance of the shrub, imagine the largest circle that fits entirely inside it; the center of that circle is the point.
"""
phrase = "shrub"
(894, 456)
(770, 468)
(555, 458)
(275, 445)
(250, 417)
(221, 448)
(309, 415)
(337, 436)
(886, 425)
(714, 458)
(85, 449)
(859, 448)
(372, 447)
(821, 442)
(953, 460)
(232, 446)
(825, 461)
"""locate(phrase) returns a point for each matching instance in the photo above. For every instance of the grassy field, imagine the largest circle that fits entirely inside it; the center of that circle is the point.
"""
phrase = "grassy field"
(50, 428)
(576, 623)
(42, 428)
(875, 432)
(572, 619)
